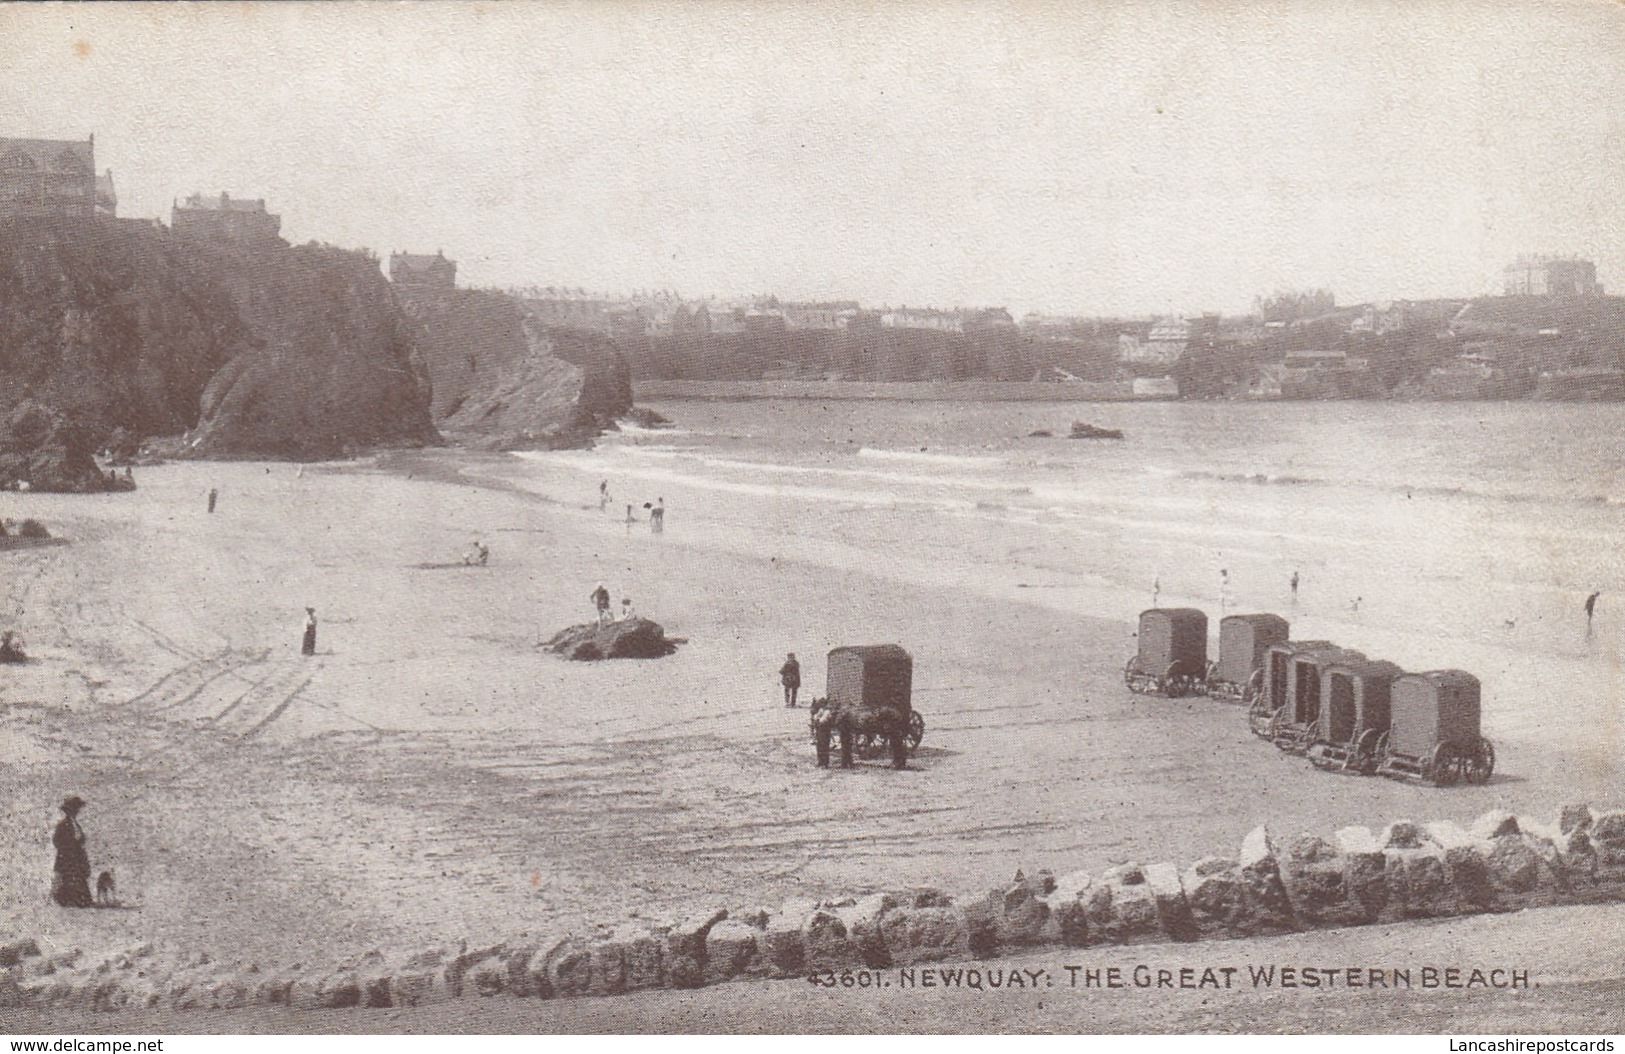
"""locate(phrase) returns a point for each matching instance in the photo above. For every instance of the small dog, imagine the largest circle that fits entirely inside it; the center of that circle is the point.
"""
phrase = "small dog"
(106, 891)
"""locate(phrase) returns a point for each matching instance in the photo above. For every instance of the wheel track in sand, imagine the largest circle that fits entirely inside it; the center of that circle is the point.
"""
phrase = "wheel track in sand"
(254, 710)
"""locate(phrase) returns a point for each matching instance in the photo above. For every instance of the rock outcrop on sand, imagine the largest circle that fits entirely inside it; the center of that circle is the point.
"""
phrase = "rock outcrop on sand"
(503, 380)
(1356, 877)
(42, 449)
(634, 638)
(131, 331)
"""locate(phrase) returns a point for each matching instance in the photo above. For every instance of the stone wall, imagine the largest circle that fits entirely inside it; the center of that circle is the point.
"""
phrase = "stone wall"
(1351, 877)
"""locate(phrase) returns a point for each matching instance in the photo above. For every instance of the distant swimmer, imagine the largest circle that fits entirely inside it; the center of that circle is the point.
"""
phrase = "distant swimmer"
(600, 601)
(1591, 608)
(308, 646)
(1355, 606)
(790, 677)
(603, 495)
(477, 556)
(213, 494)
(657, 517)
(1294, 583)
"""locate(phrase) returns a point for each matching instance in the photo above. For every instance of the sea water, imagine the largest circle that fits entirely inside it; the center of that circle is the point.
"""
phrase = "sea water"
(1457, 535)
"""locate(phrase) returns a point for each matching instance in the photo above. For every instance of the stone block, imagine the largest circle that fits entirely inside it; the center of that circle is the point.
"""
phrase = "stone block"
(1403, 834)
(1497, 823)
(826, 943)
(1520, 871)
(1420, 885)
(1173, 911)
(1267, 908)
(1122, 908)
(487, 977)
(321, 991)
(13, 952)
(1607, 833)
(1019, 912)
(1365, 869)
(925, 934)
(276, 990)
(560, 968)
(783, 951)
(1069, 910)
(424, 978)
(684, 952)
(642, 958)
(1213, 894)
(1575, 816)
(730, 951)
(862, 920)
(1313, 872)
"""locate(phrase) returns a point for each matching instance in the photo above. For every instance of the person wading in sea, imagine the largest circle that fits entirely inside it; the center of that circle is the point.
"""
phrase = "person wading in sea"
(1591, 609)
(308, 647)
(70, 880)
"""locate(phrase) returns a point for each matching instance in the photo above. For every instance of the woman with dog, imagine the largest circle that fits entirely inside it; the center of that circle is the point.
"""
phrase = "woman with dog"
(70, 885)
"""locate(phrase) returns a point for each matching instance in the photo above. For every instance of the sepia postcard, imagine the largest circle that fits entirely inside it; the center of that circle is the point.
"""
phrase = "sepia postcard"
(813, 518)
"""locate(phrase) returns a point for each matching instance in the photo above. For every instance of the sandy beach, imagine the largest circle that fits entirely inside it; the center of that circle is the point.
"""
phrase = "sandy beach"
(432, 775)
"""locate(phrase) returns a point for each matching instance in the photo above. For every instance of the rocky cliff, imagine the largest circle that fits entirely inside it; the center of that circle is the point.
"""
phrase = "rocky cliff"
(128, 330)
(113, 325)
(503, 380)
(333, 367)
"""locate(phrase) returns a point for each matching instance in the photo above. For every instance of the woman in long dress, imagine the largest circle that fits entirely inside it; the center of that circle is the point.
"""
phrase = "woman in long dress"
(70, 885)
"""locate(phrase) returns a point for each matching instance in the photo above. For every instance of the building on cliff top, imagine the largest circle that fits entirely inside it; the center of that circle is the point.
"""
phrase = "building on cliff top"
(53, 178)
(1550, 276)
(225, 218)
(422, 271)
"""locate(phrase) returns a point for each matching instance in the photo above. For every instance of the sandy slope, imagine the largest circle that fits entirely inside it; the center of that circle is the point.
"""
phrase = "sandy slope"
(432, 775)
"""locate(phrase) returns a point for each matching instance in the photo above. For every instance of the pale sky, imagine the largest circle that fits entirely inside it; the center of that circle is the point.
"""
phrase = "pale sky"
(1107, 159)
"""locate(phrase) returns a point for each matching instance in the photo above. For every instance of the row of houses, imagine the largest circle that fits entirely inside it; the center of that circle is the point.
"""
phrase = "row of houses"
(666, 315)
(56, 179)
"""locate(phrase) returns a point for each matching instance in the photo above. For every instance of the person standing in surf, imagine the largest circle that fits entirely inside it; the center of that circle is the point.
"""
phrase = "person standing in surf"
(308, 645)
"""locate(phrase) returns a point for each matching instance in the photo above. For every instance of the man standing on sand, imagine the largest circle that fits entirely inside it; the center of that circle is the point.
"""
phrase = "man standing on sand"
(309, 645)
(213, 494)
(600, 600)
(70, 883)
(790, 677)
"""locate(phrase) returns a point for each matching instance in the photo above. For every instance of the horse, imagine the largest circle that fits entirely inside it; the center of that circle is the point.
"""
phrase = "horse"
(857, 725)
